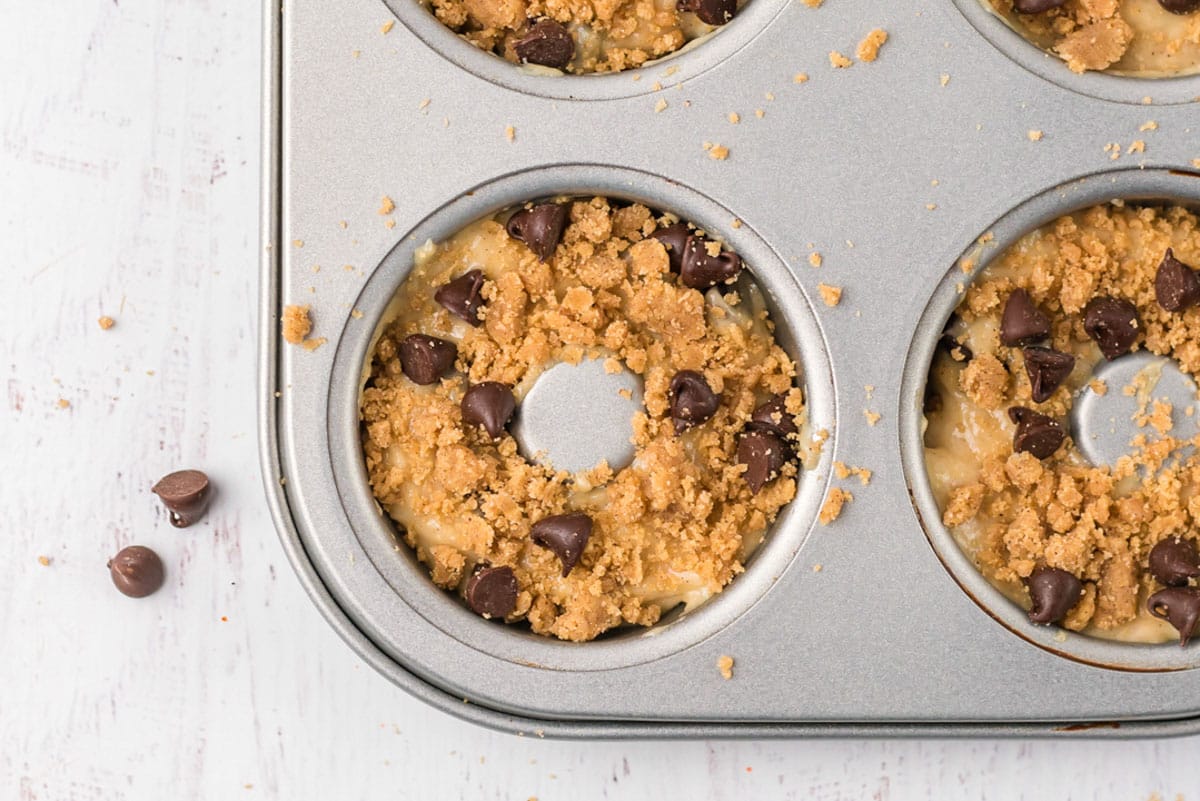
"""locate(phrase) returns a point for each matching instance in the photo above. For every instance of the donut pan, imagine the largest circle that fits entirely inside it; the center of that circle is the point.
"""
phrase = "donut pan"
(892, 170)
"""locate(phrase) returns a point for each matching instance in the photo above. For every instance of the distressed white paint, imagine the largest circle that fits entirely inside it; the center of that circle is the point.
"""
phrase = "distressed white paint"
(128, 187)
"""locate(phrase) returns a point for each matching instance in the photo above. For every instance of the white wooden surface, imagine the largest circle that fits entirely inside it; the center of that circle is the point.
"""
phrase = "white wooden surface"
(128, 187)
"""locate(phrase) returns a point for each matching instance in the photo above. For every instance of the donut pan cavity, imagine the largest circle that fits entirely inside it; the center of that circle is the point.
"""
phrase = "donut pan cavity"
(892, 635)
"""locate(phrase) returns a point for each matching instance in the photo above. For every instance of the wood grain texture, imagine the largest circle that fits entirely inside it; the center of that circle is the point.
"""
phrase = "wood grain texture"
(129, 168)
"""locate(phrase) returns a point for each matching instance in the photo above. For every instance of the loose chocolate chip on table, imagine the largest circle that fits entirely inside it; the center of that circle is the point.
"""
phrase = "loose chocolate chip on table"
(1179, 606)
(548, 43)
(1053, 593)
(1036, 433)
(492, 591)
(674, 238)
(1023, 322)
(136, 571)
(462, 297)
(958, 351)
(764, 455)
(1047, 369)
(1180, 6)
(773, 416)
(1175, 560)
(699, 270)
(1036, 6)
(540, 227)
(692, 401)
(565, 535)
(1112, 323)
(425, 359)
(489, 404)
(711, 12)
(185, 493)
(1176, 286)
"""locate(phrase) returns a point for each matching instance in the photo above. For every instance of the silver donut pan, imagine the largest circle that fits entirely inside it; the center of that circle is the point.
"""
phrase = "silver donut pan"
(896, 634)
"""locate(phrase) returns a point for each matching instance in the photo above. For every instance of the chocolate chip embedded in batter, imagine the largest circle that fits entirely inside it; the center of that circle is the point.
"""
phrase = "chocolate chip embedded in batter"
(699, 270)
(692, 401)
(1053, 592)
(1180, 6)
(1023, 322)
(136, 571)
(463, 297)
(565, 535)
(492, 591)
(710, 12)
(540, 227)
(1175, 560)
(489, 404)
(1047, 369)
(1176, 286)
(1112, 323)
(1036, 6)
(1036, 433)
(425, 359)
(548, 43)
(185, 493)
(1179, 606)
(957, 350)
(674, 238)
(773, 416)
(764, 455)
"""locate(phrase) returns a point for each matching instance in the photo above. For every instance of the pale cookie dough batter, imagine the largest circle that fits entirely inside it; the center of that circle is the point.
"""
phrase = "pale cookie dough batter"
(1015, 512)
(1132, 37)
(583, 36)
(576, 555)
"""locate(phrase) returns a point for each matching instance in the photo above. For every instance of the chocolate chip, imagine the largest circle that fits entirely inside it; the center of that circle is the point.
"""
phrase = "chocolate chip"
(136, 571)
(933, 402)
(1047, 369)
(764, 455)
(1036, 433)
(711, 12)
(1179, 606)
(462, 297)
(957, 351)
(1112, 323)
(699, 270)
(1176, 286)
(774, 417)
(547, 42)
(692, 402)
(1053, 593)
(185, 493)
(1036, 6)
(492, 591)
(674, 238)
(1180, 6)
(489, 404)
(425, 359)
(566, 535)
(540, 227)
(1175, 560)
(1023, 322)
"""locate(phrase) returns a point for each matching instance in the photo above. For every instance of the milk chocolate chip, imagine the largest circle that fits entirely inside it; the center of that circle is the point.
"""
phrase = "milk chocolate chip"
(425, 359)
(699, 270)
(548, 43)
(1053, 593)
(1047, 369)
(1112, 323)
(711, 12)
(692, 401)
(1023, 322)
(185, 493)
(674, 238)
(462, 297)
(136, 571)
(489, 404)
(540, 227)
(773, 416)
(492, 591)
(1179, 606)
(565, 535)
(1036, 6)
(764, 455)
(1175, 560)
(1180, 6)
(1036, 433)
(1176, 286)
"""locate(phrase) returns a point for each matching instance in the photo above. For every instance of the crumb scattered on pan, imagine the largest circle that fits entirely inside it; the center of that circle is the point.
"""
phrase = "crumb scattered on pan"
(1098, 386)
(510, 133)
(1034, 135)
(813, 3)
(832, 295)
(298, 243)
(838, 61)
(387, 26)
(832, 508)
(106, 322)
(868, 48)
(312, 344)
(814, 259)
(872, 417)
(758, 112)
(63, 403)
(386, 205)
(660, 105)
(944, 79)
(818, 567)
(1149, 125)
(717, 152)
(725, 665)
(1137, 146)
(296, 324)
(44, 561)
(734, 118)
(800, 77)
(844, 471)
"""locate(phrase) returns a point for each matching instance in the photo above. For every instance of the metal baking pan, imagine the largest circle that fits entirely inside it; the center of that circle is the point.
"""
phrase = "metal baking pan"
(891, 169)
